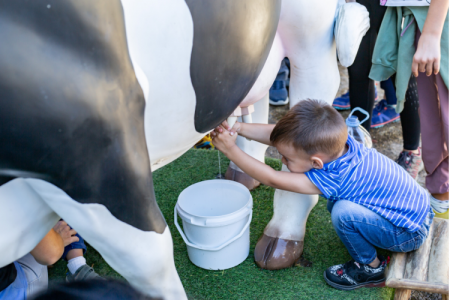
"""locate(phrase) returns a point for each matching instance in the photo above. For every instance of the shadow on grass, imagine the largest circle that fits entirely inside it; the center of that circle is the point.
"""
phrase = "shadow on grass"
(246, 281)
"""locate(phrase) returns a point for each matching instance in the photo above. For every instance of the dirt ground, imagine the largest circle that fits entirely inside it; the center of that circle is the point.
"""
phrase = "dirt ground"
(387, 140)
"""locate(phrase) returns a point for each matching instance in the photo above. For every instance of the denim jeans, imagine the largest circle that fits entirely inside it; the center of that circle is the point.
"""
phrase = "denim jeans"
(361, 230)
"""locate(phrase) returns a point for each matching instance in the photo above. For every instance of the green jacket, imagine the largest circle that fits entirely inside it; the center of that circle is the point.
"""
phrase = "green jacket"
(394, 53)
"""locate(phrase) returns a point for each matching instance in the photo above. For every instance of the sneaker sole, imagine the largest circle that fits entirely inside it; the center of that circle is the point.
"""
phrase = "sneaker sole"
(379, 283)
(385, 123)
(341, 107)
(279, 103)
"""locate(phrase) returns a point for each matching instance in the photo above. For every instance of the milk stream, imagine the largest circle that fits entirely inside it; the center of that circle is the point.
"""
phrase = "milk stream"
(220, 169)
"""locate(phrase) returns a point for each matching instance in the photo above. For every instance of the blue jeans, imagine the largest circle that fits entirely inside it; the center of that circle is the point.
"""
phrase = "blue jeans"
(361, 230)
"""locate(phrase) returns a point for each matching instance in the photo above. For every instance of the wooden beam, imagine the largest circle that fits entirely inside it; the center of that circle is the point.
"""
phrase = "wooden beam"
(417, 261)
(430, 287)
(396, 267)
(402, 294)
(438, 264)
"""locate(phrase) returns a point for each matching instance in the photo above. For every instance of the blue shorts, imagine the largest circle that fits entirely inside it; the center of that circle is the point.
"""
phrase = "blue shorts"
(75, 245)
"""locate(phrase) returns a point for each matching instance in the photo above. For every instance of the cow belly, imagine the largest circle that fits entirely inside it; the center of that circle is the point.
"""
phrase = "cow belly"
(160, 38)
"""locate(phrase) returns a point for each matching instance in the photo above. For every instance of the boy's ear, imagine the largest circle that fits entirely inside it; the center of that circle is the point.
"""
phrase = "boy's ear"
(316, 162)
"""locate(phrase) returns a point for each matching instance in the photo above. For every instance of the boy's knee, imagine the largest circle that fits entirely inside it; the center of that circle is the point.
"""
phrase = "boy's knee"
(340, 214)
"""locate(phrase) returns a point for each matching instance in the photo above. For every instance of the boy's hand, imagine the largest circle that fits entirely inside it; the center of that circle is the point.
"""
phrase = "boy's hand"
(222, 139)
(428, 55)
(67, 234)
(224, 125)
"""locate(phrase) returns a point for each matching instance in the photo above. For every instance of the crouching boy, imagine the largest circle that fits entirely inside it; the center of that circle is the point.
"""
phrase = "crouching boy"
(373, 202)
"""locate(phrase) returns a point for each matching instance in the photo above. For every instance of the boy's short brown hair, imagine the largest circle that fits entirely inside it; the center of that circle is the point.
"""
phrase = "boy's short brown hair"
(312, 126)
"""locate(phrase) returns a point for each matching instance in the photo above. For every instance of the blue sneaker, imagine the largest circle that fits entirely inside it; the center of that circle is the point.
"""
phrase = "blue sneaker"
(278, 94)
(383, 114)
(343, 102)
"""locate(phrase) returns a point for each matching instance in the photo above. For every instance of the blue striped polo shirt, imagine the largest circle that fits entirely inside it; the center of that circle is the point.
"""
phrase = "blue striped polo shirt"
(366, 177)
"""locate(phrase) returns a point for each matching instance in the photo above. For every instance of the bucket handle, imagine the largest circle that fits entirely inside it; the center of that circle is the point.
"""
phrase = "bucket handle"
(361, 110)
(209, 248)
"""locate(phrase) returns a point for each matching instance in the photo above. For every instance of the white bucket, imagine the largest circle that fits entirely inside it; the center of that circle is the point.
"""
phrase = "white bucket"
(216, 218)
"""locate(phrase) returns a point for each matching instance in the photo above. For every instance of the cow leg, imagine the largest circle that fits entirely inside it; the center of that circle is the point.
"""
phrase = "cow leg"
(144, 258)
(252, 148)
(306, 29)
(281, 244)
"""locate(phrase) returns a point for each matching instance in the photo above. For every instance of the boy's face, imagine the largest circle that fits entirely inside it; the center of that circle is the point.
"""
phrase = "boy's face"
(298, 161)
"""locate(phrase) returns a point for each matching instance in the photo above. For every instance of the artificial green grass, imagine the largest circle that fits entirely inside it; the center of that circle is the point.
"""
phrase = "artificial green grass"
(246, 281)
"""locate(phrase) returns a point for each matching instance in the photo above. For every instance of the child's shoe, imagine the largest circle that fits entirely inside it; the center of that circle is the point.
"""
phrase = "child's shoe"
(278, 94)
(443, 215)
(440, 208)
(342, 102)
(411, 162)
(83, 273)
(352, 275)
(383, 114)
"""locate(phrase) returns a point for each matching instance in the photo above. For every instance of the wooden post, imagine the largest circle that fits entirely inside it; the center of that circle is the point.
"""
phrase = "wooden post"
(444, 296)
(402, 294)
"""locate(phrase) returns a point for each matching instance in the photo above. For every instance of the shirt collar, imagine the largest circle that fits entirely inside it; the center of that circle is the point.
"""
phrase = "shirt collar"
(351, 158)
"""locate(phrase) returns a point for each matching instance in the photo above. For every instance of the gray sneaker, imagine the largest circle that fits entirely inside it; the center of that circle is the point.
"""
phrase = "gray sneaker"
(411, 162)
(83, 273)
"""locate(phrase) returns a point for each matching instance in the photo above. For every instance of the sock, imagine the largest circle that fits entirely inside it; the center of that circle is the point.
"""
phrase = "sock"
(75, 263)
(438, 205)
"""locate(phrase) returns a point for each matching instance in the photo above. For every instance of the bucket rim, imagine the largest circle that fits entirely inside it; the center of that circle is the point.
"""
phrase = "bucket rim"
(245, 207)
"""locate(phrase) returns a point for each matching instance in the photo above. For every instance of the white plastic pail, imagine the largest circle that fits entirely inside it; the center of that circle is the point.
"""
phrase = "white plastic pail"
(216, 217)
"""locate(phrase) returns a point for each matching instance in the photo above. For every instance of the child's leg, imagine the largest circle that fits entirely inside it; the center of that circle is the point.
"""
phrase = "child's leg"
(361, 230)
(75, 249)
(76, 263)
(36, 274)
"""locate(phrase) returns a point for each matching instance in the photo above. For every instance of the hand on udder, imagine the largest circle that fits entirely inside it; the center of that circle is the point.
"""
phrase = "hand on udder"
(222, 139)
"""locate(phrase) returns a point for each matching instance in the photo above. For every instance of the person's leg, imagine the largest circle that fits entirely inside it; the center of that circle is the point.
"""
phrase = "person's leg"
(409, 118)
(389, 91)
(76, 263)
(36, 274)
(361, 230)
(433, 99)
(278, 94)
(384, 111)
(361, 88)
(410, 158)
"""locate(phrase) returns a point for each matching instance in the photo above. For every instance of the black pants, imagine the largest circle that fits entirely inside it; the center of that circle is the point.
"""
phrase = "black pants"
(409, 117)
(362, 89)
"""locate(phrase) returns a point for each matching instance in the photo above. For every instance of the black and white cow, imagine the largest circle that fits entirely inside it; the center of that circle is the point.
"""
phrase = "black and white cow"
(89, 90)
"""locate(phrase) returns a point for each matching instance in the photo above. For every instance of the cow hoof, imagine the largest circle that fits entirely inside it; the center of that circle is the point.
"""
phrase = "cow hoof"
(276, 253)
(242, 178)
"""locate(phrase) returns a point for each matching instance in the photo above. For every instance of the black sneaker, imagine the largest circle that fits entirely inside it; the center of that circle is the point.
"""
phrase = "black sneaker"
(353, 275)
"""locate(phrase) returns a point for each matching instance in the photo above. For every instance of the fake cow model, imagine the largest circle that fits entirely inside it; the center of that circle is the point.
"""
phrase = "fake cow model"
(306, 34)
(73, 79)
(76, 133)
